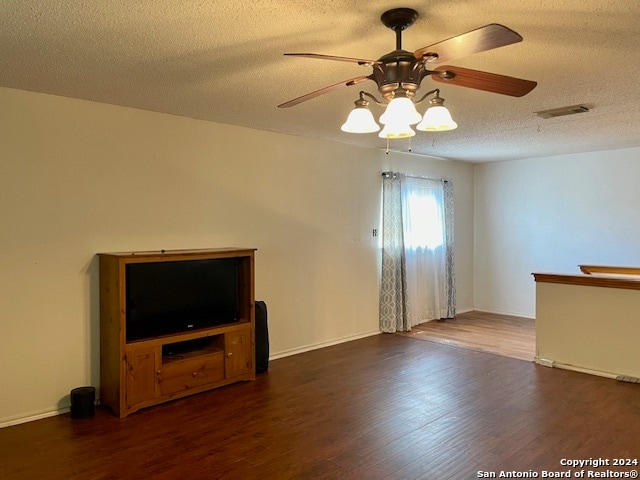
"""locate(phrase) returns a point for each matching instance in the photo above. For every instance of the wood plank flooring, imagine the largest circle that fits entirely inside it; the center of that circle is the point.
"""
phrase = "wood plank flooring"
(505, 335)
(382, 407)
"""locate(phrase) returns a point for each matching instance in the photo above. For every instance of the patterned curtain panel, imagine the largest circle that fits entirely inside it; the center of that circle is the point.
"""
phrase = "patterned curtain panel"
(448, 227)
(393, 298)
(417, 277)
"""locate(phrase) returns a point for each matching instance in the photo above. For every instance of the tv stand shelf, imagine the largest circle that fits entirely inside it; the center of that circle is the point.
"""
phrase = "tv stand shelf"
(146, 371)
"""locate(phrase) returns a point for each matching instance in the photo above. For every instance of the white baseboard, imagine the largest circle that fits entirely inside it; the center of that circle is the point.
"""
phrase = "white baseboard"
(464, 310)
(502, 312)
(38, 415)
(315, 346)
(30, 417)
(565, 366)
(545, 362)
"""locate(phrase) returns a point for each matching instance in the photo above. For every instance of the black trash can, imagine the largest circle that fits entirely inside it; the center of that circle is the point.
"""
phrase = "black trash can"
(83, 401)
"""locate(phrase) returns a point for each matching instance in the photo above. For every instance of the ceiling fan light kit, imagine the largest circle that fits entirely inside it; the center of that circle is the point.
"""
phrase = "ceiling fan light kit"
(437, 118)
(397, 130)
(400, 110)
(360, 120)
(399, 73)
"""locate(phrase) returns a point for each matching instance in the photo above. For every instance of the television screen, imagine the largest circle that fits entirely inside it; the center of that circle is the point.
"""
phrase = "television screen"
(171, 297)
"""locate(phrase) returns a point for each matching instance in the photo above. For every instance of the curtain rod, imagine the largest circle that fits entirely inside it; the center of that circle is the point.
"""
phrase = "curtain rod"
(391, 174)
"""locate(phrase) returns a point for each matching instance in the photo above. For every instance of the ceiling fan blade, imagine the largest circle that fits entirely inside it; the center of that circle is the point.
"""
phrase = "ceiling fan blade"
(330, 88)
(479, 40)
(360, 61)
(489, 82)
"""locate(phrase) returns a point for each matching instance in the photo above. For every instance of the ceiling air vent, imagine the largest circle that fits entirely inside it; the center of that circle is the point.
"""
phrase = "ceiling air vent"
(559, 112)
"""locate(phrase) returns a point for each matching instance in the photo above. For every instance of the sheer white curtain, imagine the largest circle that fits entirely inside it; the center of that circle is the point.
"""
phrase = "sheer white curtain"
(417, 252)
(423, 224)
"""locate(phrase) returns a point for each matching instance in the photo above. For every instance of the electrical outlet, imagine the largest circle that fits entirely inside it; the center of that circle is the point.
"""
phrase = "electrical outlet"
(375, 232)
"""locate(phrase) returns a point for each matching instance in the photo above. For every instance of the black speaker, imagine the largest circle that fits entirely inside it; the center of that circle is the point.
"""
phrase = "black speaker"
(262, 338)
(83, 401)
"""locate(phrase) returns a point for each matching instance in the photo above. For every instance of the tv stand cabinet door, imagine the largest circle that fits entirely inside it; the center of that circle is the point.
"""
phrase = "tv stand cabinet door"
(141, 375)
(239, 358)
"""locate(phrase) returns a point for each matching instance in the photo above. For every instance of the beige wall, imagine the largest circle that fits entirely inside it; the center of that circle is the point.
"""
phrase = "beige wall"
(588, 328)
(77, 178)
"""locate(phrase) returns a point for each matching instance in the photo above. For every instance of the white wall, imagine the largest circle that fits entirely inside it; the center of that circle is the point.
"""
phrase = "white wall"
(549, 215)
(78, 178)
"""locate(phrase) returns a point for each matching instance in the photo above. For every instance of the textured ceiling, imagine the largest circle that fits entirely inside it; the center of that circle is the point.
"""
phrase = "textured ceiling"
(221, 60)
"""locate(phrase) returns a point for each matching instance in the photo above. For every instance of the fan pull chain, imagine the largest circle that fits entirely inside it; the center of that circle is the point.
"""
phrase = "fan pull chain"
(410, 144)
(387, 152)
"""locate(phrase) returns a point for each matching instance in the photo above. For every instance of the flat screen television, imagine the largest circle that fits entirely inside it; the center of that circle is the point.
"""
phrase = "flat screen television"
(171, 297)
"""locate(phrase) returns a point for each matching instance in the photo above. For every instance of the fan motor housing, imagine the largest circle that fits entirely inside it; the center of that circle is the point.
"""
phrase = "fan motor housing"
(398, 68)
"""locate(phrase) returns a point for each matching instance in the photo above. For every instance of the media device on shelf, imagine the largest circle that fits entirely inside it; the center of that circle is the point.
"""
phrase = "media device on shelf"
(164, 298)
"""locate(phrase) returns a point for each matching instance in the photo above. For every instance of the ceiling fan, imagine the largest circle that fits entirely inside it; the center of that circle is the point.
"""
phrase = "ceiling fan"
(398, 74)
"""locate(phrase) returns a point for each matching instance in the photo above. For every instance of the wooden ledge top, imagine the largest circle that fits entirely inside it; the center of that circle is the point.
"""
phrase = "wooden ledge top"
(186, 252)
(605, 269)
(589, 280)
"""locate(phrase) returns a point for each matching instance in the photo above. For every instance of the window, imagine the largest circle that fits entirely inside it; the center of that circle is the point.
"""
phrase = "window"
(425, 218)
(417, 282)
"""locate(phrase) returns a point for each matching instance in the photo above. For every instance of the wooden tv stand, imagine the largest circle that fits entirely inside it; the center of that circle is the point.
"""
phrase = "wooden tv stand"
(138, 374)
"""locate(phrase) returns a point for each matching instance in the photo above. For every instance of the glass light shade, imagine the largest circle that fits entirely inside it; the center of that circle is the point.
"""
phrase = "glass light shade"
(437, 119)
(400, 110)
(397, 130)
(360, 120)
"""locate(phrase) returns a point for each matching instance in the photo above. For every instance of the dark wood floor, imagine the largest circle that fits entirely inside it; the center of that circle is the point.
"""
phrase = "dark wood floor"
(383, 407)
(505, 335)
